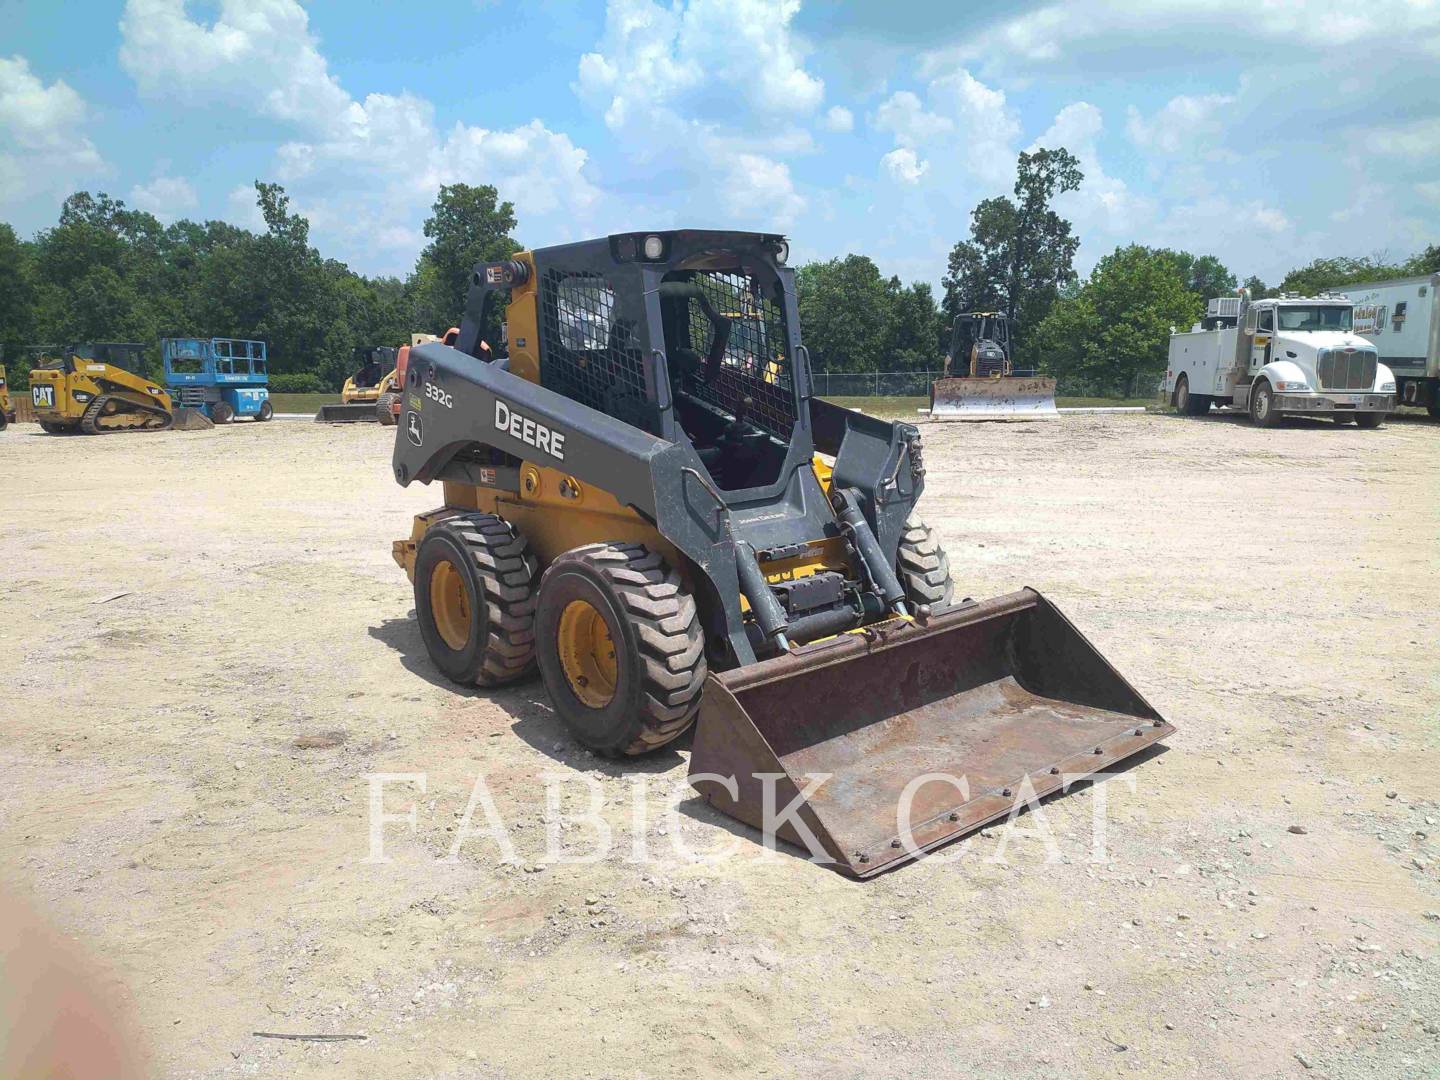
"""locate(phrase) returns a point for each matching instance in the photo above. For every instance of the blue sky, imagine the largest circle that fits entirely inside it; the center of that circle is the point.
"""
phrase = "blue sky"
(1266, 133)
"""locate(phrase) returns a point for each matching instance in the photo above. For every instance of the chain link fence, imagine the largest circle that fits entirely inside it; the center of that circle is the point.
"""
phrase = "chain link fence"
(917, 384)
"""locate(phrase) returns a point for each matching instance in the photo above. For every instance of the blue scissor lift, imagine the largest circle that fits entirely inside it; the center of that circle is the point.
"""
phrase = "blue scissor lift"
(222, 377)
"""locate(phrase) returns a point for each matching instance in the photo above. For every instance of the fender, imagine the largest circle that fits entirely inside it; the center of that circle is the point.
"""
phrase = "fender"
(1278, 371)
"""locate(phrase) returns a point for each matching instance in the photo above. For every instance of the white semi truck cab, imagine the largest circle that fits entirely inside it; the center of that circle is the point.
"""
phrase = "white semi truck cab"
(1289, 356)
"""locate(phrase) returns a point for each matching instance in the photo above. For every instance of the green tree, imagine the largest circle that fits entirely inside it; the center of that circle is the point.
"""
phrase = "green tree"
(1338, 272)
(17, 303)
(846, 314)
(467, 225)
(1257, 289)
(1020, 252)
(1114, 332)
(1426, 262)
(1204, 275)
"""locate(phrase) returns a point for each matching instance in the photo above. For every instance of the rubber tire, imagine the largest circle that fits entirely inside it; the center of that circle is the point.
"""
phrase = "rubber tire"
(1369, 420)
(382, 410)
(495, 562)
(221, 413)
(1188, 403)
(923, 567)
(266, 413)
(1273, 415)
(660, 646)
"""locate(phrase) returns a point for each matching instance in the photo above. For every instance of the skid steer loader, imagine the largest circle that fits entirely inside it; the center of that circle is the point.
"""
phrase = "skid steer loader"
(95, 388)
(993, 389)
(363, 391)
(645, 500)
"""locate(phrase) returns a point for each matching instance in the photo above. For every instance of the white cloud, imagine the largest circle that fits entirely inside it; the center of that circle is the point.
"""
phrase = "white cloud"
(167, 197)
(1103, 203)
(365, 171)
(43, 145)
(839, 119)
(963, 126)
(1429, 190)
(1414, 140)
(1137, 35)
(903, 165)
(711, 92)
(1186, 124)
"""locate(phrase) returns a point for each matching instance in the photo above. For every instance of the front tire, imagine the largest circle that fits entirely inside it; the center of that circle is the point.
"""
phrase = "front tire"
(620, 648)
(221, 413)
(266, 413)
(923, 566)
(475, 599)
(1262, 405)
(1369, 419)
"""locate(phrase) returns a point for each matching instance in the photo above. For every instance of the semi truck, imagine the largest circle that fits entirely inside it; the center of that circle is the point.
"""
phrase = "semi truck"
(1280, 357)
(1402, 319)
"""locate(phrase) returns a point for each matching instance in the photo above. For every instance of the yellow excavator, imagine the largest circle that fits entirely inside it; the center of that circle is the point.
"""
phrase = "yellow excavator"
(96, 388)
(644, 499)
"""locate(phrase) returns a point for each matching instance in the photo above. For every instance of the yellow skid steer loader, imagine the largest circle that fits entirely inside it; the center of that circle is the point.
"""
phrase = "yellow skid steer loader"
(645, 500)
(374, 381)
(96, 388)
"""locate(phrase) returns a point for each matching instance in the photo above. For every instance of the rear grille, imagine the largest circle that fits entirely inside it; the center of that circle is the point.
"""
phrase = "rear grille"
(1347, 369)
(190, 395)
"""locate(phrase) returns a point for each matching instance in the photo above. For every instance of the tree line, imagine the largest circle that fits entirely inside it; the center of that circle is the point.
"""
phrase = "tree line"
(106, 272)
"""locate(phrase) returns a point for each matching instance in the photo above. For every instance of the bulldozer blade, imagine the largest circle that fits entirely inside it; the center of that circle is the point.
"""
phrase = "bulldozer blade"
(357, 413)
(188, 419)
(1007, 398)
(872, 748)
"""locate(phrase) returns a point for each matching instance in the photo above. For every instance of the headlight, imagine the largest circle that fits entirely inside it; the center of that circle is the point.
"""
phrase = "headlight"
(1387, 387)
(1290, 387)
(654, 247)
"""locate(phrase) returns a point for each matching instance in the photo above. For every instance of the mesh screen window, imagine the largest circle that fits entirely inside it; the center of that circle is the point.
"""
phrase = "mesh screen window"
(755, 364)
(591, 356)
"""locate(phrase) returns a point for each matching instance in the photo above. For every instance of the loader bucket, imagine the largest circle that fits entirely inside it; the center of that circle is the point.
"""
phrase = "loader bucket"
(187, 419)
(1007, 398)
(917, 735)
(357, 413)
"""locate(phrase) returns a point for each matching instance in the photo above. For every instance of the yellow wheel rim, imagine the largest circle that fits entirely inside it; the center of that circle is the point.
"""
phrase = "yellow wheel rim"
(587, 654)
(450, 604)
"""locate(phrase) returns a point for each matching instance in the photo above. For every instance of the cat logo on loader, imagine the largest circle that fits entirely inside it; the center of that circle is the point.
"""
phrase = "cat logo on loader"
(720, 547)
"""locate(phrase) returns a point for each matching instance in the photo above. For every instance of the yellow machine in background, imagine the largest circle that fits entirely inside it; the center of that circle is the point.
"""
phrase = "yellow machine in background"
(7, 411)
(363, 391)
(94, 388)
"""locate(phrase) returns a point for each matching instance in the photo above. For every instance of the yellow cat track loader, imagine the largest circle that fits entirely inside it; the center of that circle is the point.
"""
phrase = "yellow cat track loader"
(645, 501)
(94, 388)
(7, 411)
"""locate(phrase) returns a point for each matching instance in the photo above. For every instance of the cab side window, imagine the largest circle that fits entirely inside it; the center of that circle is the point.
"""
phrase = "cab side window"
(1267, 320)
(1250, 321)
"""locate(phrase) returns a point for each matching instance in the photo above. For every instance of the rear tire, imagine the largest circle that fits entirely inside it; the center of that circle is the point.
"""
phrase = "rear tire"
(266, 413)
(382, 410)
(923, 567)
(615, 626)
(221, 413)
(475, 599)
(1188, 403)
(1262, 405)
(1369, 419)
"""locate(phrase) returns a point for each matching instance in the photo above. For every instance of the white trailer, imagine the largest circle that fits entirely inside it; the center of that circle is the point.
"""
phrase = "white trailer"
(1290, 356)
(1402, 319)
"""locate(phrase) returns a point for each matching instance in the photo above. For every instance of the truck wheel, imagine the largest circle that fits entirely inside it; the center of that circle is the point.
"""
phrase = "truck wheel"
(221, 413)
(1188, 403)
(620, 647)
(1262, 405)
(267, 411)
(1369, 419)
(475, 599)
(382, 410)
(924, 569)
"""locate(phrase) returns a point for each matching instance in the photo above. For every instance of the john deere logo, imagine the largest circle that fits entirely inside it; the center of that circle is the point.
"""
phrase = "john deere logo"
(413, 429)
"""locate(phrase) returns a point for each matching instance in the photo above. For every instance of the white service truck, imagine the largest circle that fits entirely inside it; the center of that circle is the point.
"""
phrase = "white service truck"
(1289, 356)
(1402, 319)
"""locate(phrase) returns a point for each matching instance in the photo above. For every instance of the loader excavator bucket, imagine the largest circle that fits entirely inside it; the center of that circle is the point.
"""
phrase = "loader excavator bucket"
(357, 413)
(1007, 398)
(187, 419)
(902, 740)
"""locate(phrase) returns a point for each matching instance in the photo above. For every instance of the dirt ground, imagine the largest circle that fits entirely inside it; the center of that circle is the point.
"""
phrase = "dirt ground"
(179, 609)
